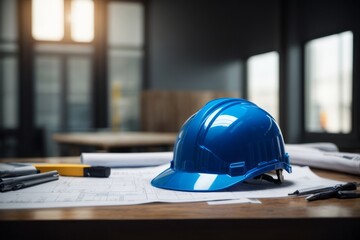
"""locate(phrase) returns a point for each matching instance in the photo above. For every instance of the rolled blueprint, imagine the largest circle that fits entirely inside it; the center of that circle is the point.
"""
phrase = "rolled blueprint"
(322, 146)
(319, 155)
(126, 159)
(331, 160)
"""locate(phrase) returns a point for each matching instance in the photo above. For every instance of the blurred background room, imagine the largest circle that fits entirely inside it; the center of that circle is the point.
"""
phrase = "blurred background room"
(116, 66)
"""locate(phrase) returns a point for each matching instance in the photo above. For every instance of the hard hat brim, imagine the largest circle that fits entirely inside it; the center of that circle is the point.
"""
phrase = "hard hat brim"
(204, 182)
(195, 182)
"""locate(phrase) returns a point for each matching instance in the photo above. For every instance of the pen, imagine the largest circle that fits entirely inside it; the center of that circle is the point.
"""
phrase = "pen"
(74, 170)
(322, 195)
(314, 190)
(311, 190)
(333, 194)
(348, 194)
(15, 183)
(339, 191)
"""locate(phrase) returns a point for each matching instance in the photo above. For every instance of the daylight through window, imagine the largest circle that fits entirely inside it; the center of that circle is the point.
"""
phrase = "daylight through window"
(328, 83)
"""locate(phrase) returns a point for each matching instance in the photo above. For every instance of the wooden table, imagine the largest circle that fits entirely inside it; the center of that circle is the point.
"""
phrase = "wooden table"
(114, 141)
(280, 218)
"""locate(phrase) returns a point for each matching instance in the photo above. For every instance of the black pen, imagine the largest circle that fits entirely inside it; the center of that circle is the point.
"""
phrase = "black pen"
(339, 191)
(15, 183)
(314, 190)
(322, 195)
(311, 190)
(348, 194)
(333, 194)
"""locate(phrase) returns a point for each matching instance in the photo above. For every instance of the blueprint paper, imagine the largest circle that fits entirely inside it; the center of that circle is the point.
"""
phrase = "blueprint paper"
(129, 186)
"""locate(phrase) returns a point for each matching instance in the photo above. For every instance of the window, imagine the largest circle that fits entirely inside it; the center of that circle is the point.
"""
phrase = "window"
(63, 49)
(263, 82)
(63, 77)
(328, 83)
(125, 59)
(50, 19)
(62, 61)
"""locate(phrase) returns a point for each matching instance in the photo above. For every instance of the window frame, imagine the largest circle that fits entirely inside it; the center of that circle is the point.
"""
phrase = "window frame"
(346, 141)
(306, 81)
(26, 130)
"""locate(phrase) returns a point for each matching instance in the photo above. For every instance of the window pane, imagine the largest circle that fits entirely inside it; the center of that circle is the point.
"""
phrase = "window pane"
(125, 38)
(8, 20)
(82, 20)
(8, 47)
(124, 88)
(328, 83)
(263, 82)
(48, 98)
(79, 93)
(47, 91)
(48, 19)
(125, 24)
(9, 92)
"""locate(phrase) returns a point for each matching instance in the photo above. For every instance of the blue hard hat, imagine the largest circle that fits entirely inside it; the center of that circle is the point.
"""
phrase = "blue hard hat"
(226, 142)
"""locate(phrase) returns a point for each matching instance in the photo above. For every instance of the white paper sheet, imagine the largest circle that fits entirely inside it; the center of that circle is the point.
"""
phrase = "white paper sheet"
(235, 201)
(128, 186)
